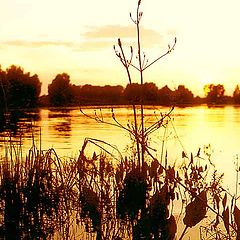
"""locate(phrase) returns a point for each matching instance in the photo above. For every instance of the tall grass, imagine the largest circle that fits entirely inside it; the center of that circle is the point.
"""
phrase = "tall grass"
(45, 197)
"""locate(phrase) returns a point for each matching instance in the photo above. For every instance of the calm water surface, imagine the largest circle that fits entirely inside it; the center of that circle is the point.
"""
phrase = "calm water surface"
(190, 128)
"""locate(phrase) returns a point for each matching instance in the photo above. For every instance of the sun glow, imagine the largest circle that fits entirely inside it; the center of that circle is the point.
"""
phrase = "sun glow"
(206, 78)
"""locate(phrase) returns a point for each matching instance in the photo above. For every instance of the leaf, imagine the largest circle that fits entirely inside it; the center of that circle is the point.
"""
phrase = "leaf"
(177, 195)
(171, 228)
(236, 214)
(191, 158)
(153, 169)
(225, 216)
(200, 169)
(119, 42)
(217, 200)
(196, 210)
(184, 154)
(160, 169)
(224, 201)
(198, 153)
(119, 176)
(145, 169)
(171, 174)
(94, 157)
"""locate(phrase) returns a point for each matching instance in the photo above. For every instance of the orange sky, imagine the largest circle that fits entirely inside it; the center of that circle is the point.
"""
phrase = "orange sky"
(77, 37)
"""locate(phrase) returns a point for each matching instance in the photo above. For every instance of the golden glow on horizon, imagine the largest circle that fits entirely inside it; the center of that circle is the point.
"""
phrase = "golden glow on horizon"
(77, 36)
(206, 78)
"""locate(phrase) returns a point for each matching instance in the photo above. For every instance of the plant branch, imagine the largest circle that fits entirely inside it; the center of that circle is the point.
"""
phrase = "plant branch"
(97, 119)
(170, 49)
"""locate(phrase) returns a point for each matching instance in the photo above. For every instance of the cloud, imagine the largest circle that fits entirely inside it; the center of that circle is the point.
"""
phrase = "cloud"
(25, 43)
(96, 38)
(85, 45)
(110, 33)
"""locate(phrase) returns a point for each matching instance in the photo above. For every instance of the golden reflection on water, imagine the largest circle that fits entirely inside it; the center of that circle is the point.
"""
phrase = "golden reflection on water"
(190, 128)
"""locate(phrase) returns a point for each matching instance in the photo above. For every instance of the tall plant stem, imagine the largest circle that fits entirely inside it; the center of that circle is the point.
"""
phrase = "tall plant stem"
(135, 125)
(126, 64)
(141, 78)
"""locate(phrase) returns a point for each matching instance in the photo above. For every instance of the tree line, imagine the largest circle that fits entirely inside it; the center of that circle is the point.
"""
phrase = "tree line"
(19, 89)
(62, 93)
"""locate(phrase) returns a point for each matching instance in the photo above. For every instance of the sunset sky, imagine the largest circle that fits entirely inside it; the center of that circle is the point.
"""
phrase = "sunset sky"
(48, 37)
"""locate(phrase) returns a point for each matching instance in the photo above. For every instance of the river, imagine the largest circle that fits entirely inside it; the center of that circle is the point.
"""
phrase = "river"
(215, 130)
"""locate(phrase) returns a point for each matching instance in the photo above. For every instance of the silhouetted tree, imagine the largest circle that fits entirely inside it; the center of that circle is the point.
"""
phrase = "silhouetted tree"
(88, 94)
(182, 95)
(165, 95)
(76, 92)
(111, 94)
(214, 93)
(59, 90)
(21, 89)
(150, 92)
(3, 90)
(134, 92)
(236, 95)
(3, 100)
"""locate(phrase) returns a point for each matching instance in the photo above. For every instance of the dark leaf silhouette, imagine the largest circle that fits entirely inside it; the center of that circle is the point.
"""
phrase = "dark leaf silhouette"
(225, 216)
(196, 210)
(155, 221)
(153, 169)
(171, 228)
(224, 201)
(236, 214)
(90, 204)
(184, 154)
(132, 197)
(198, 153)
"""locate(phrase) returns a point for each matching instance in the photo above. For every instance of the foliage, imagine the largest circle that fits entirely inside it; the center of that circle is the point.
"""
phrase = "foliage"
(166, 95)
(236, 95)
(29, 196)
(99, 94)
(149, 91)
(59, 91)
(196, 210)
(45, 197)
(132, 197)
(182, 95)
(214, 93)
(18, 89)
